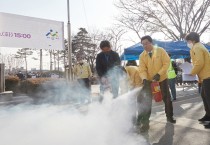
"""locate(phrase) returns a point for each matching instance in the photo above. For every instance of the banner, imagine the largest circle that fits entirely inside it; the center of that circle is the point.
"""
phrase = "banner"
(28, 32)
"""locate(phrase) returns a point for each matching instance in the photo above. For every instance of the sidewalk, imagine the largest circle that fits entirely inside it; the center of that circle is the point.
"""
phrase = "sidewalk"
(188, 108)
(187, 131)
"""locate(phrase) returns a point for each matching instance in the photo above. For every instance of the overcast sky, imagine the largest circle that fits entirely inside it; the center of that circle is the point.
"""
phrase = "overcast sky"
(83, 13)
(90, 14)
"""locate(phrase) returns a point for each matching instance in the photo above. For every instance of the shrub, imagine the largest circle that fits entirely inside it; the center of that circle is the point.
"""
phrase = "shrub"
(11, 83)
(34, 86)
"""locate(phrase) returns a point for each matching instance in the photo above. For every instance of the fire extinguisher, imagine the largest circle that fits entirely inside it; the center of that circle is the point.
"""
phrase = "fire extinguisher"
(156, 91)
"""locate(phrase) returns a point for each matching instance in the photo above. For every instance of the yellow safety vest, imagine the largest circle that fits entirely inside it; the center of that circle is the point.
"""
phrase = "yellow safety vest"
(82, 71)
(171, 72)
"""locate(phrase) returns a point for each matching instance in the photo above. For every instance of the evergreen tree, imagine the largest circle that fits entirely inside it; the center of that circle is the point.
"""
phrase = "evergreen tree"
(83, 46)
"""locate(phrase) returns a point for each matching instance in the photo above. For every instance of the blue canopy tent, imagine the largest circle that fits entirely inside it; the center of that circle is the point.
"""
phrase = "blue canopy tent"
(133, 52)
(177, 49)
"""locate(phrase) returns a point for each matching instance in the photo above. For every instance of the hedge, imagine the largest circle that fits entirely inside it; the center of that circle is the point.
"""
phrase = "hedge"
(30, 86)
(11, 83)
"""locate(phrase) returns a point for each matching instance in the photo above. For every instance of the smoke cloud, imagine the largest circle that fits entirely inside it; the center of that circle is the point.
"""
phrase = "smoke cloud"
(106, 123)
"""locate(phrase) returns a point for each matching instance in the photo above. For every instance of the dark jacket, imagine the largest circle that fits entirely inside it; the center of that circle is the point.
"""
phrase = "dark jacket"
(105, 62)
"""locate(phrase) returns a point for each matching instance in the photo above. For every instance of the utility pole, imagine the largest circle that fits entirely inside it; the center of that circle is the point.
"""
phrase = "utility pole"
(69, 45)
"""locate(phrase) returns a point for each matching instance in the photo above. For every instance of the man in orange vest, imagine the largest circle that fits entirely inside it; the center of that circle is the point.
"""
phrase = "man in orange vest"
(153, 66)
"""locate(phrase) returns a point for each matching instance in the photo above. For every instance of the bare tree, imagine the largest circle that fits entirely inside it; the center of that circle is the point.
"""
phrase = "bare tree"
(61, 58)
(23, 53)
(40, 53)
(54, 53)
(8, 60)
(18, 61)
(94, 51)
(131, 23)
(115, 33)
(64, 54)
(51, 63)
(174, 18)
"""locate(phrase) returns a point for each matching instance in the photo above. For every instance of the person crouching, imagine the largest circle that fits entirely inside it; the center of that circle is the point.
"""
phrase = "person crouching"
(142, 100)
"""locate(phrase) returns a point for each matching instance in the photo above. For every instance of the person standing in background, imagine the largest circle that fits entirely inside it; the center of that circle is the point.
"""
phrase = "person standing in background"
(20, 75)
(201, 66)
(172, 72)
(107, 67)
(83, 73)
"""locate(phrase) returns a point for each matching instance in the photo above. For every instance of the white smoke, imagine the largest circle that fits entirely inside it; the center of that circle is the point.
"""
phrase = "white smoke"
(106, 123)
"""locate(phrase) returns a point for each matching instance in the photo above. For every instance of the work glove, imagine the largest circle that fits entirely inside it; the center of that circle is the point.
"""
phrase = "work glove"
(156, 77)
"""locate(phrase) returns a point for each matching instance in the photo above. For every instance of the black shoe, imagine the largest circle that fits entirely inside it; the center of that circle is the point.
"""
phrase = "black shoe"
(205, 118)
(171, 119)
(207, 126)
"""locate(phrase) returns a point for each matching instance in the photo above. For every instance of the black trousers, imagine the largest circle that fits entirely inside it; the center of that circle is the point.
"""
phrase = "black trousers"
(205, 95)
(86, 87)
(85, 82)
(144, 105)
(146, 90)
(166, 98)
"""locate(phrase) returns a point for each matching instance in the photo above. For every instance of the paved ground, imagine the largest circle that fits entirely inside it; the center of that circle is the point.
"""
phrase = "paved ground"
(187, 131)
(188, 108)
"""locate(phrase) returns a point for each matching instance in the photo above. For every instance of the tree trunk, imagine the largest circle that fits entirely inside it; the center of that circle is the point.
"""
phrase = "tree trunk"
(58, 64)
(40, 69)
(51, 60)
(26, 66)
(54, 60)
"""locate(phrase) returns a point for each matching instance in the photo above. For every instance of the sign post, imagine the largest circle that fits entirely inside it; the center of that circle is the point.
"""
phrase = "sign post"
(2, 78)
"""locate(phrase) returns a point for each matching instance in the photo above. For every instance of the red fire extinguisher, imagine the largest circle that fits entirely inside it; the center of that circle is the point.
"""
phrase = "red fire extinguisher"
(156, 91)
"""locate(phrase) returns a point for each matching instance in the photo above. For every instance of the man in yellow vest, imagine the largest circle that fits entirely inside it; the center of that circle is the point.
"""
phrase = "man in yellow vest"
(201, 66)
(153, 66)
(172, 79)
